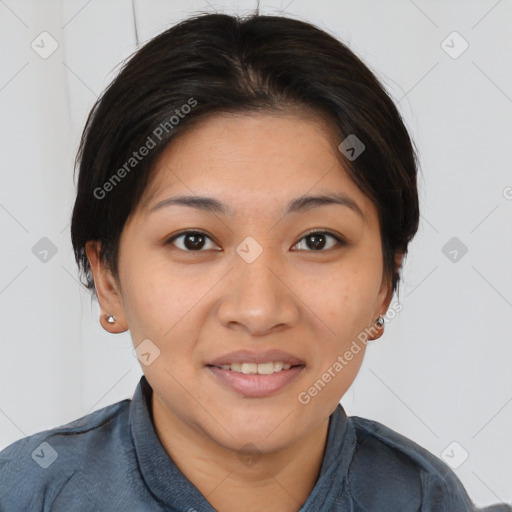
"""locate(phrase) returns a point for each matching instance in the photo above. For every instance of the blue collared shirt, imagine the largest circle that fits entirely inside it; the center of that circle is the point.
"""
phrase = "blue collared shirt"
(112, 460)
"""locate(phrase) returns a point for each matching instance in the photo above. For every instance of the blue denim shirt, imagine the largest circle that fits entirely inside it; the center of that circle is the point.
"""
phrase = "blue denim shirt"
(112, 460)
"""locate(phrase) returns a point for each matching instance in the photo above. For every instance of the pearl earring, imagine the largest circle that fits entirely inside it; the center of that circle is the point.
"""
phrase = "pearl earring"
(380, 321)
(111, 319)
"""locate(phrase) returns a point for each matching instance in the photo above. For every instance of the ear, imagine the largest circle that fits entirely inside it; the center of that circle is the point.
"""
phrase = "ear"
(384, 299)
(107, 290)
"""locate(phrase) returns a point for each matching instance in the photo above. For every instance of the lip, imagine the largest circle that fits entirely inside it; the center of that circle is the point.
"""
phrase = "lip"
(262, 356)
(255, 385)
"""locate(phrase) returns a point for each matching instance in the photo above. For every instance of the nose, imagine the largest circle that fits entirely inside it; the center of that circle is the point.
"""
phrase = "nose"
(258, 296)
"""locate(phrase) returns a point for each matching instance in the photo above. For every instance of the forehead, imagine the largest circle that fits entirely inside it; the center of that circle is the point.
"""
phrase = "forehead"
(258, 159)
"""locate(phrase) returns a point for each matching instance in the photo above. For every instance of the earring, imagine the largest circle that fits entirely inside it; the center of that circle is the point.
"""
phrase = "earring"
(111, 319)
(380, 321)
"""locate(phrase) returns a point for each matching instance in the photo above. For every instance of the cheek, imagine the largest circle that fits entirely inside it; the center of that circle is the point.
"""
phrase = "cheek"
(345, 307)
(152, 299)
(160, 302)
(345, 303)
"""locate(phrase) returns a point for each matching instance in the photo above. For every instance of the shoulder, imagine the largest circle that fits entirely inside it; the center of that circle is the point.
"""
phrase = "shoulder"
(391, 472)
(35, 469)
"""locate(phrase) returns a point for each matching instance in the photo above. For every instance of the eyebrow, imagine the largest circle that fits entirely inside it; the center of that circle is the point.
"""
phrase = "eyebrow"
(299, 204)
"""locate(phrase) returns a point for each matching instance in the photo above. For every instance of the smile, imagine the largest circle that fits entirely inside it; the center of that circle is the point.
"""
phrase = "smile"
(259, 368)
(248, 380)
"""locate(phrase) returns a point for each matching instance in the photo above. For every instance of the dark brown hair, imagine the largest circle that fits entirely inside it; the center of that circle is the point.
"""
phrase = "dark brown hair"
(220, 63)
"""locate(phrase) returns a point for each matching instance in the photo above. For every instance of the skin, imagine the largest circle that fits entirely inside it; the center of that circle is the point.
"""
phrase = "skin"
(198, 305)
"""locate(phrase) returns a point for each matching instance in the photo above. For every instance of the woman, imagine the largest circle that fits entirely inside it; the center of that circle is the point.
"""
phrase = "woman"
(246, 196)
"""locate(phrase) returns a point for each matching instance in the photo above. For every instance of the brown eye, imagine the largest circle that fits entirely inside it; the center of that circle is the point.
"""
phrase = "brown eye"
(318, 240)
(192, 241)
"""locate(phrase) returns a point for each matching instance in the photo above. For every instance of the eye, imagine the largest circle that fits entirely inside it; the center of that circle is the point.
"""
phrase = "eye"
(192, 241)
(197, 241)
(318, 240)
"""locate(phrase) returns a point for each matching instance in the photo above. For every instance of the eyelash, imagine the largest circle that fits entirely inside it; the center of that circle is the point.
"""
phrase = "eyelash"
(339, 240)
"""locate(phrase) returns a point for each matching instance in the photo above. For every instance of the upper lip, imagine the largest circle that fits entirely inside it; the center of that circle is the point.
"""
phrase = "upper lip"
(262, 356)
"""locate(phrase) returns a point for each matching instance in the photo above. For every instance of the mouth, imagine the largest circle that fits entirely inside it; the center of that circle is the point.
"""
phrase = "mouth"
(267, 368)
(253, 380)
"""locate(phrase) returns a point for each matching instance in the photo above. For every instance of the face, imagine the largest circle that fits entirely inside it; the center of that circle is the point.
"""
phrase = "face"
(232, 279)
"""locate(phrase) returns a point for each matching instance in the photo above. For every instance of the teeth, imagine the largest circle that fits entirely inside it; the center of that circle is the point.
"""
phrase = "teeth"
(266, 368)
(261, 368)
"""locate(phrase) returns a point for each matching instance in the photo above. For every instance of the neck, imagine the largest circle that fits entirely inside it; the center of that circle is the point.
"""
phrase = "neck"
(234, 480)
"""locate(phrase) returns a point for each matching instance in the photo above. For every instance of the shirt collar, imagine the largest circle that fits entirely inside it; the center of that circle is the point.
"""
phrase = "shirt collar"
(170, 486)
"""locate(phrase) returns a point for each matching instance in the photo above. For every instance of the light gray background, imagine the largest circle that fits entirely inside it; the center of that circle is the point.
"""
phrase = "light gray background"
(441, 372)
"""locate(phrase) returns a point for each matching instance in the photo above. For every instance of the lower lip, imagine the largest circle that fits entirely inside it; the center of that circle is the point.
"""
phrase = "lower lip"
(255, 385)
